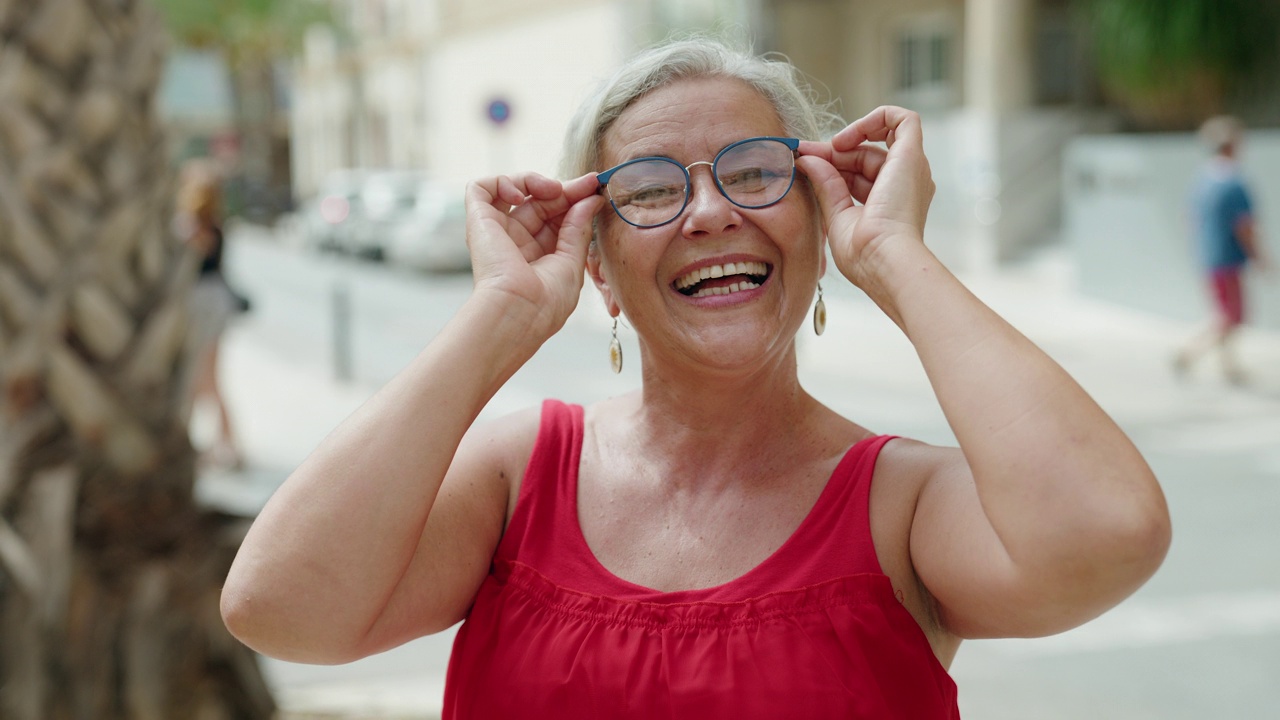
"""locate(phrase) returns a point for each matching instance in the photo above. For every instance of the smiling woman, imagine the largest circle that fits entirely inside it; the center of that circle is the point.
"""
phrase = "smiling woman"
(717, 542)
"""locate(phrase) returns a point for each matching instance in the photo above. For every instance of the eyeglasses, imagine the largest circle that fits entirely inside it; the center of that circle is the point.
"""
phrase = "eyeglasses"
(752, 173)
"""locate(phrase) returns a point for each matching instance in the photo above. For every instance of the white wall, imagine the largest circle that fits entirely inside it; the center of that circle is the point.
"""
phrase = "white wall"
(998, 182)
(1126, 224)
(543, 68)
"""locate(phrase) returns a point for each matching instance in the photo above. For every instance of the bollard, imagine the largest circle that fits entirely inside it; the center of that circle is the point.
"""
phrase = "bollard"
(341, 304)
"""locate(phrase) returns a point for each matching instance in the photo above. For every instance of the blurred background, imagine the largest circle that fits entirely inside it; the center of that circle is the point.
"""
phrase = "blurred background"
(1048, 122)
(340, 134)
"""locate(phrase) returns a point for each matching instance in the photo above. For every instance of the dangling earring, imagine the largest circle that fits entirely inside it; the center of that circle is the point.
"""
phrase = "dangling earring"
(615, 350)
(819, 313)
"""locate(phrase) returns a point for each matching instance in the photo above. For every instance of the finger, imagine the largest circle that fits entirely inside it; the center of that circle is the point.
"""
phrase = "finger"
(816, 149)
(864, 160)
(581, 187)
(541, 216)
(575, 232)
(509, 192)
(832, 190)
(860, 188)
(849, 138)
(538, 186)
(484, 192)
(489, 215)
(891, 124)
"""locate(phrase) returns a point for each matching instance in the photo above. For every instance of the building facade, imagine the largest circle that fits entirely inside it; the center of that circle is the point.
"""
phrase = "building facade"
(1001, 84)
(463, 89)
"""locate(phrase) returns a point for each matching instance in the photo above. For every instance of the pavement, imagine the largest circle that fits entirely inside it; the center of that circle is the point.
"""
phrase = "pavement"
(1122, 357)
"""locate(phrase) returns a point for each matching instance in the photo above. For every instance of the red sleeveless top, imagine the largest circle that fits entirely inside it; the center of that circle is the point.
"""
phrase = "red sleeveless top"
(814, 631)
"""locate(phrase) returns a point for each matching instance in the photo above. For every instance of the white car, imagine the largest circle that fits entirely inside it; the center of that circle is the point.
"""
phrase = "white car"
(328, 220)
(424, 230)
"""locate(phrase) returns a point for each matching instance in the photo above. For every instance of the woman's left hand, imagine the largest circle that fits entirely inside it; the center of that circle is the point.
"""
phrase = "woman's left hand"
(893, 187)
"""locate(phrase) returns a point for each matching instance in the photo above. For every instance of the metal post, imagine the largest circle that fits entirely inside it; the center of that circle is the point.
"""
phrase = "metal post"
(341, 302)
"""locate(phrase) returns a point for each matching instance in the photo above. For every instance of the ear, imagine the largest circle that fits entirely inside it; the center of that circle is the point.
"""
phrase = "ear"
(595, 268)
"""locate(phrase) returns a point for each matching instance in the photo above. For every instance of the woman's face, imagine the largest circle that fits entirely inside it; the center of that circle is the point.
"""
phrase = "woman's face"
(648, 273)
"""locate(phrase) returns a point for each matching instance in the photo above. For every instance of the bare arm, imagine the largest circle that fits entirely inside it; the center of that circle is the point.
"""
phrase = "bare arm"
(1246, 230)
(364, 523)
(1047, 515)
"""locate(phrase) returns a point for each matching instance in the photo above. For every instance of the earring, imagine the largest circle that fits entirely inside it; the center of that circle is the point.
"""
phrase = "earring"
(819, 313)
(615, 350)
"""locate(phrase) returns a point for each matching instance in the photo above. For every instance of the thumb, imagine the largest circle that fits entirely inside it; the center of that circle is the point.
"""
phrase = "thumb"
(829, 186)
(575, 232)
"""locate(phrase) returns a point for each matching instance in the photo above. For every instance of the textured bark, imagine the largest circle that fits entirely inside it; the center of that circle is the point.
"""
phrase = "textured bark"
(109, 572)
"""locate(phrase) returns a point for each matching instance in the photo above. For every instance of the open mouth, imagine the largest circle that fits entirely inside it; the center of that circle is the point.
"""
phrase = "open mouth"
(723, 279)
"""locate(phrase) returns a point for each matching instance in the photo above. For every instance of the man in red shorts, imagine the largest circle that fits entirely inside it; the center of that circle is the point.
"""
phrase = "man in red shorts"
(1226, 242)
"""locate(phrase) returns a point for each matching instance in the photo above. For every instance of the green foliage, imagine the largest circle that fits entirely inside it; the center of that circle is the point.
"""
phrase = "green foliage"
(244, 27)
(1171, 45)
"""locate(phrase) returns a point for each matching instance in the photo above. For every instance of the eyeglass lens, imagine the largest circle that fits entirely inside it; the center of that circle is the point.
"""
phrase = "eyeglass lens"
(752, 174)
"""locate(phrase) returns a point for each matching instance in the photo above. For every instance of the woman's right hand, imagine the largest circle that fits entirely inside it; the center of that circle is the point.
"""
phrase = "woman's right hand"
(528, 236)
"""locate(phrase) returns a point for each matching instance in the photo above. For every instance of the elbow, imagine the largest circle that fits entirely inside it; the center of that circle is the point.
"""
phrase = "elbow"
(237, 615)
(1148, 538)
(251, 621)
(1135, 538)
(244, 622)
(250, 624)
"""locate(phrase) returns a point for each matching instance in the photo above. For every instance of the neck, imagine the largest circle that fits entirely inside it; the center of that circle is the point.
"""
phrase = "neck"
(714, 422)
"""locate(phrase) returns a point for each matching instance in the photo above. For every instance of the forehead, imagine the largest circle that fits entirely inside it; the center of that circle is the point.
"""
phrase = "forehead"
(689, 120)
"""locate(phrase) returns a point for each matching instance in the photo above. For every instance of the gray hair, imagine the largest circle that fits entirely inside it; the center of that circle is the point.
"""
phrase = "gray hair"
(773, 76)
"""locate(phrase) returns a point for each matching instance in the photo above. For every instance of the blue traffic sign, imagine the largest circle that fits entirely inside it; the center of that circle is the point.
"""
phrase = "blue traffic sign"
(499, 111)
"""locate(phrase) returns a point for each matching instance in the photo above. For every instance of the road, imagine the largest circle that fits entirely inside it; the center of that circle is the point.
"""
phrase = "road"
(1201, 640)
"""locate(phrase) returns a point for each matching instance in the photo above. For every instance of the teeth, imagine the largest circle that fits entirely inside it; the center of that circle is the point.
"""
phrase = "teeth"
(716, 271)
(736, 287)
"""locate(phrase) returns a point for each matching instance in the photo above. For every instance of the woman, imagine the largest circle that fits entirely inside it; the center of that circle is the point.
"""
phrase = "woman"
(212, 303)
(717, 542)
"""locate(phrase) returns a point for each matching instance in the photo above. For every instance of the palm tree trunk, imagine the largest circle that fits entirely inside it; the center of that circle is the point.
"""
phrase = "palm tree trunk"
(109, 572)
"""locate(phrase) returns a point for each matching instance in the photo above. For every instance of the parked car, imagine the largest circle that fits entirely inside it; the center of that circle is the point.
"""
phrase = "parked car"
(388, 198)
(414, 222)
(398, 216)
(330, 219)
(433, 238)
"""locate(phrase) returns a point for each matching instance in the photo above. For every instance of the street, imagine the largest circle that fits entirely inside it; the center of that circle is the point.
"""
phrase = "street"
(1200, 640)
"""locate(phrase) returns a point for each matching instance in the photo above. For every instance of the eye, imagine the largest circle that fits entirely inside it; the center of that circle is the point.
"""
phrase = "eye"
(745, 177)
(652, 195)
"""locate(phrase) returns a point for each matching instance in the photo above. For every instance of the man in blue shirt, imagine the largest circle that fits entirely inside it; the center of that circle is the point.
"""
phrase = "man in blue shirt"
(1226, 241)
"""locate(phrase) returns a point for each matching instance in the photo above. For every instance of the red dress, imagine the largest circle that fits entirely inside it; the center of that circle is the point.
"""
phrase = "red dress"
(814, 631)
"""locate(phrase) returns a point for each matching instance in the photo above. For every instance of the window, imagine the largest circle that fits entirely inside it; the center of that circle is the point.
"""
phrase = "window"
(923, 62)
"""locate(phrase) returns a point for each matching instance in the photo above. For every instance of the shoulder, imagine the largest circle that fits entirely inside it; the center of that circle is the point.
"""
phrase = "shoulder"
(497, 452)
(909, 465)
(507, 437)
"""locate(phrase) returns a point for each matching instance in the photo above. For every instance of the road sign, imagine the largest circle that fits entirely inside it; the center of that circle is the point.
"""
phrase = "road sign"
(499, 111)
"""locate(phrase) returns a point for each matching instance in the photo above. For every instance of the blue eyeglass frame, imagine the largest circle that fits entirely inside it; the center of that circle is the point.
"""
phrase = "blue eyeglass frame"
(792, 143)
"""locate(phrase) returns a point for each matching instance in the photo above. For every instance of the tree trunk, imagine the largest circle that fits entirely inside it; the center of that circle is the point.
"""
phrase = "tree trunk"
(109, 572)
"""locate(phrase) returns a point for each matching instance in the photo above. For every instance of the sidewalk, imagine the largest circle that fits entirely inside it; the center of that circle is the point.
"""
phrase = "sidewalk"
(1121, 357)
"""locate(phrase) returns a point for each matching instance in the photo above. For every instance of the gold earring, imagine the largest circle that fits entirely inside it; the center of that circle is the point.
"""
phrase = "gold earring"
(615, 350)
(819, 313)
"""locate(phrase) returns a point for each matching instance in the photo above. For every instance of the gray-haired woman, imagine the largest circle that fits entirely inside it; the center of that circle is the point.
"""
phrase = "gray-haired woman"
(716, 543)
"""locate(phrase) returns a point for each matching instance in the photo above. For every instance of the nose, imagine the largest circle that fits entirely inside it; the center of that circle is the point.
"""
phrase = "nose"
(709, 211)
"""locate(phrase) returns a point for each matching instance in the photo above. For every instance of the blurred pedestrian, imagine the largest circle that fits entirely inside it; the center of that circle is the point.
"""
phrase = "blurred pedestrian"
(1226, 238)
(212, 303)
